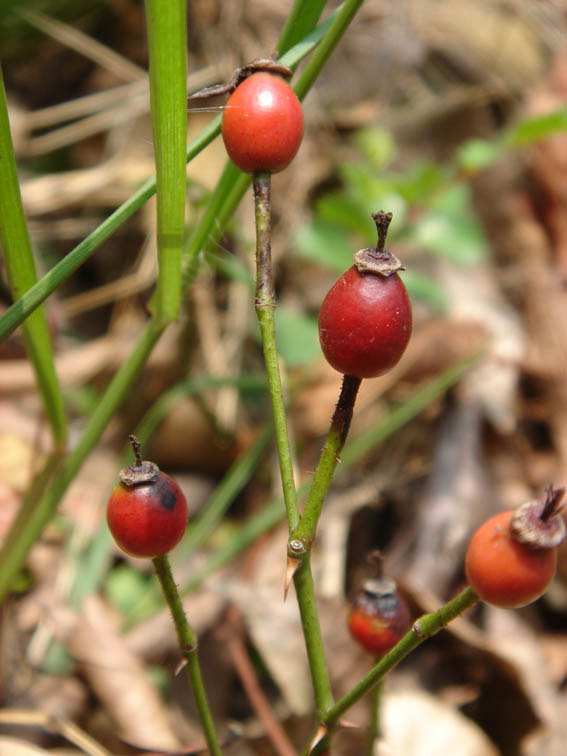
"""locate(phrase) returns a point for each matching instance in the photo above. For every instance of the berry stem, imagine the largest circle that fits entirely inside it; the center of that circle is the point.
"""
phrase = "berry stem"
(189, 648)
(374, 726)
(330, 457)
(423, 628)
(552, 505)
(382, 221)
(265, 307)
(136, 447)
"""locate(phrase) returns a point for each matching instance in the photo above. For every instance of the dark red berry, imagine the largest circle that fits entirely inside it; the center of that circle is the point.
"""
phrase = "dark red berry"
(262, 124)
(365, 320)
(147, 511)
(511, 559)
(379, 616)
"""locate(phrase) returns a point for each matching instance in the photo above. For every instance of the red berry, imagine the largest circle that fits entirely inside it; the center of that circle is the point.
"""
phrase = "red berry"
(365, 320)
(503, 571)
(262, 125)
(379, 616)
(147, 511)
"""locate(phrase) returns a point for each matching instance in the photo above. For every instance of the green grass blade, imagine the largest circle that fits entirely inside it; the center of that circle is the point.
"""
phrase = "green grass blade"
(301, 20)
(167, 39)
(20, 267)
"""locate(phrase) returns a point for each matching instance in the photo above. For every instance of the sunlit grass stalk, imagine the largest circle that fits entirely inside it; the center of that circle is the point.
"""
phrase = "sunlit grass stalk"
(166, 22)
(222, 204)
(20, 268)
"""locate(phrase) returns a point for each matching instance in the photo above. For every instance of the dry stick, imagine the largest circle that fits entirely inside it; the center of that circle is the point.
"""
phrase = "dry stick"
(189, 648)
(231, 635)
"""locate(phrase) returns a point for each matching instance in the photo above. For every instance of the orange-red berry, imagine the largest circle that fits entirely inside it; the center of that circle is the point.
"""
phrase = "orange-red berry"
(147, 511)
(262, 125)
(503, 571)
(379, 616)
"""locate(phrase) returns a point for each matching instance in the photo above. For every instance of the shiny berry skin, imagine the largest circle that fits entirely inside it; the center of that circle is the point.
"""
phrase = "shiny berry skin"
(262, 124)
(503, 571)
(147, 511)
(365, 319)
(379, 617)
(365, 323)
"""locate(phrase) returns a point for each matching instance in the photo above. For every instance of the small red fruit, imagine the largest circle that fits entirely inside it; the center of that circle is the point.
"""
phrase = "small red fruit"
(262, 125)
(511, 559)
(147, 511)
(365, 320)
(379, 616)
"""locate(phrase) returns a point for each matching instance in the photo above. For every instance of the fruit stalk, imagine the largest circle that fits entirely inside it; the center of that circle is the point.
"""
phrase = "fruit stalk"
(265, 308)
(422, 629)
(374, 726)
(330, 457)
(189, 649)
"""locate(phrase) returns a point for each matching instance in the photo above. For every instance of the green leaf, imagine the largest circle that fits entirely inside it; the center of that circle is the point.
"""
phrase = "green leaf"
(297, 337)
(477, 154)
(377, 145)
(344, 211)
(323, 243)
(420, 181)
(423, 287)
(458, 238)
(124, 586)
(540, 127)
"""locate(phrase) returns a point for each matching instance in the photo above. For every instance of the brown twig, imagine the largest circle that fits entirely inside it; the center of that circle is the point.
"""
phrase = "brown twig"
(232, 635)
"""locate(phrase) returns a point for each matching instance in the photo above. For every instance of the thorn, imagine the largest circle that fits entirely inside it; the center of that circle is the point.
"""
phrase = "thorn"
(182, 664)
(292, 567)
(346, 725)
(322, 732)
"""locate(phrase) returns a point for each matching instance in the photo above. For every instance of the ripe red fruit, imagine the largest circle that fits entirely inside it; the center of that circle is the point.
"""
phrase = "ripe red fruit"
(511, 559)
(262, 125)
(379, 616)
(365, 320)
(147, 511)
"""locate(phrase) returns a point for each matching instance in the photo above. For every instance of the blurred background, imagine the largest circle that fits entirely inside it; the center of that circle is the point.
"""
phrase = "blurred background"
(451, 115)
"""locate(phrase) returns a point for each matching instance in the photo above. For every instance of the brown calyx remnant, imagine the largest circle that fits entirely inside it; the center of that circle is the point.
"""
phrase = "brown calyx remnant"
(378, 259)
(538, 524)
(142, 471)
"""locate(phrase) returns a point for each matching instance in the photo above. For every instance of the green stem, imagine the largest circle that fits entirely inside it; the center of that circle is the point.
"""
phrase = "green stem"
(330, 457)
(167, 32)
(36, 511)
(299, 22)
(265, 308)
(20, 267)
(374, 726)
(340, 22)
(305, 592)
(210, 226)
(423, 628)
(189, 649)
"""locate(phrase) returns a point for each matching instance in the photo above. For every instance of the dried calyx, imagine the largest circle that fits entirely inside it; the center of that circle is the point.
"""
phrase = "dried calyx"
(142, 471)
(268, 65)
(539, 524)
(378, 259)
